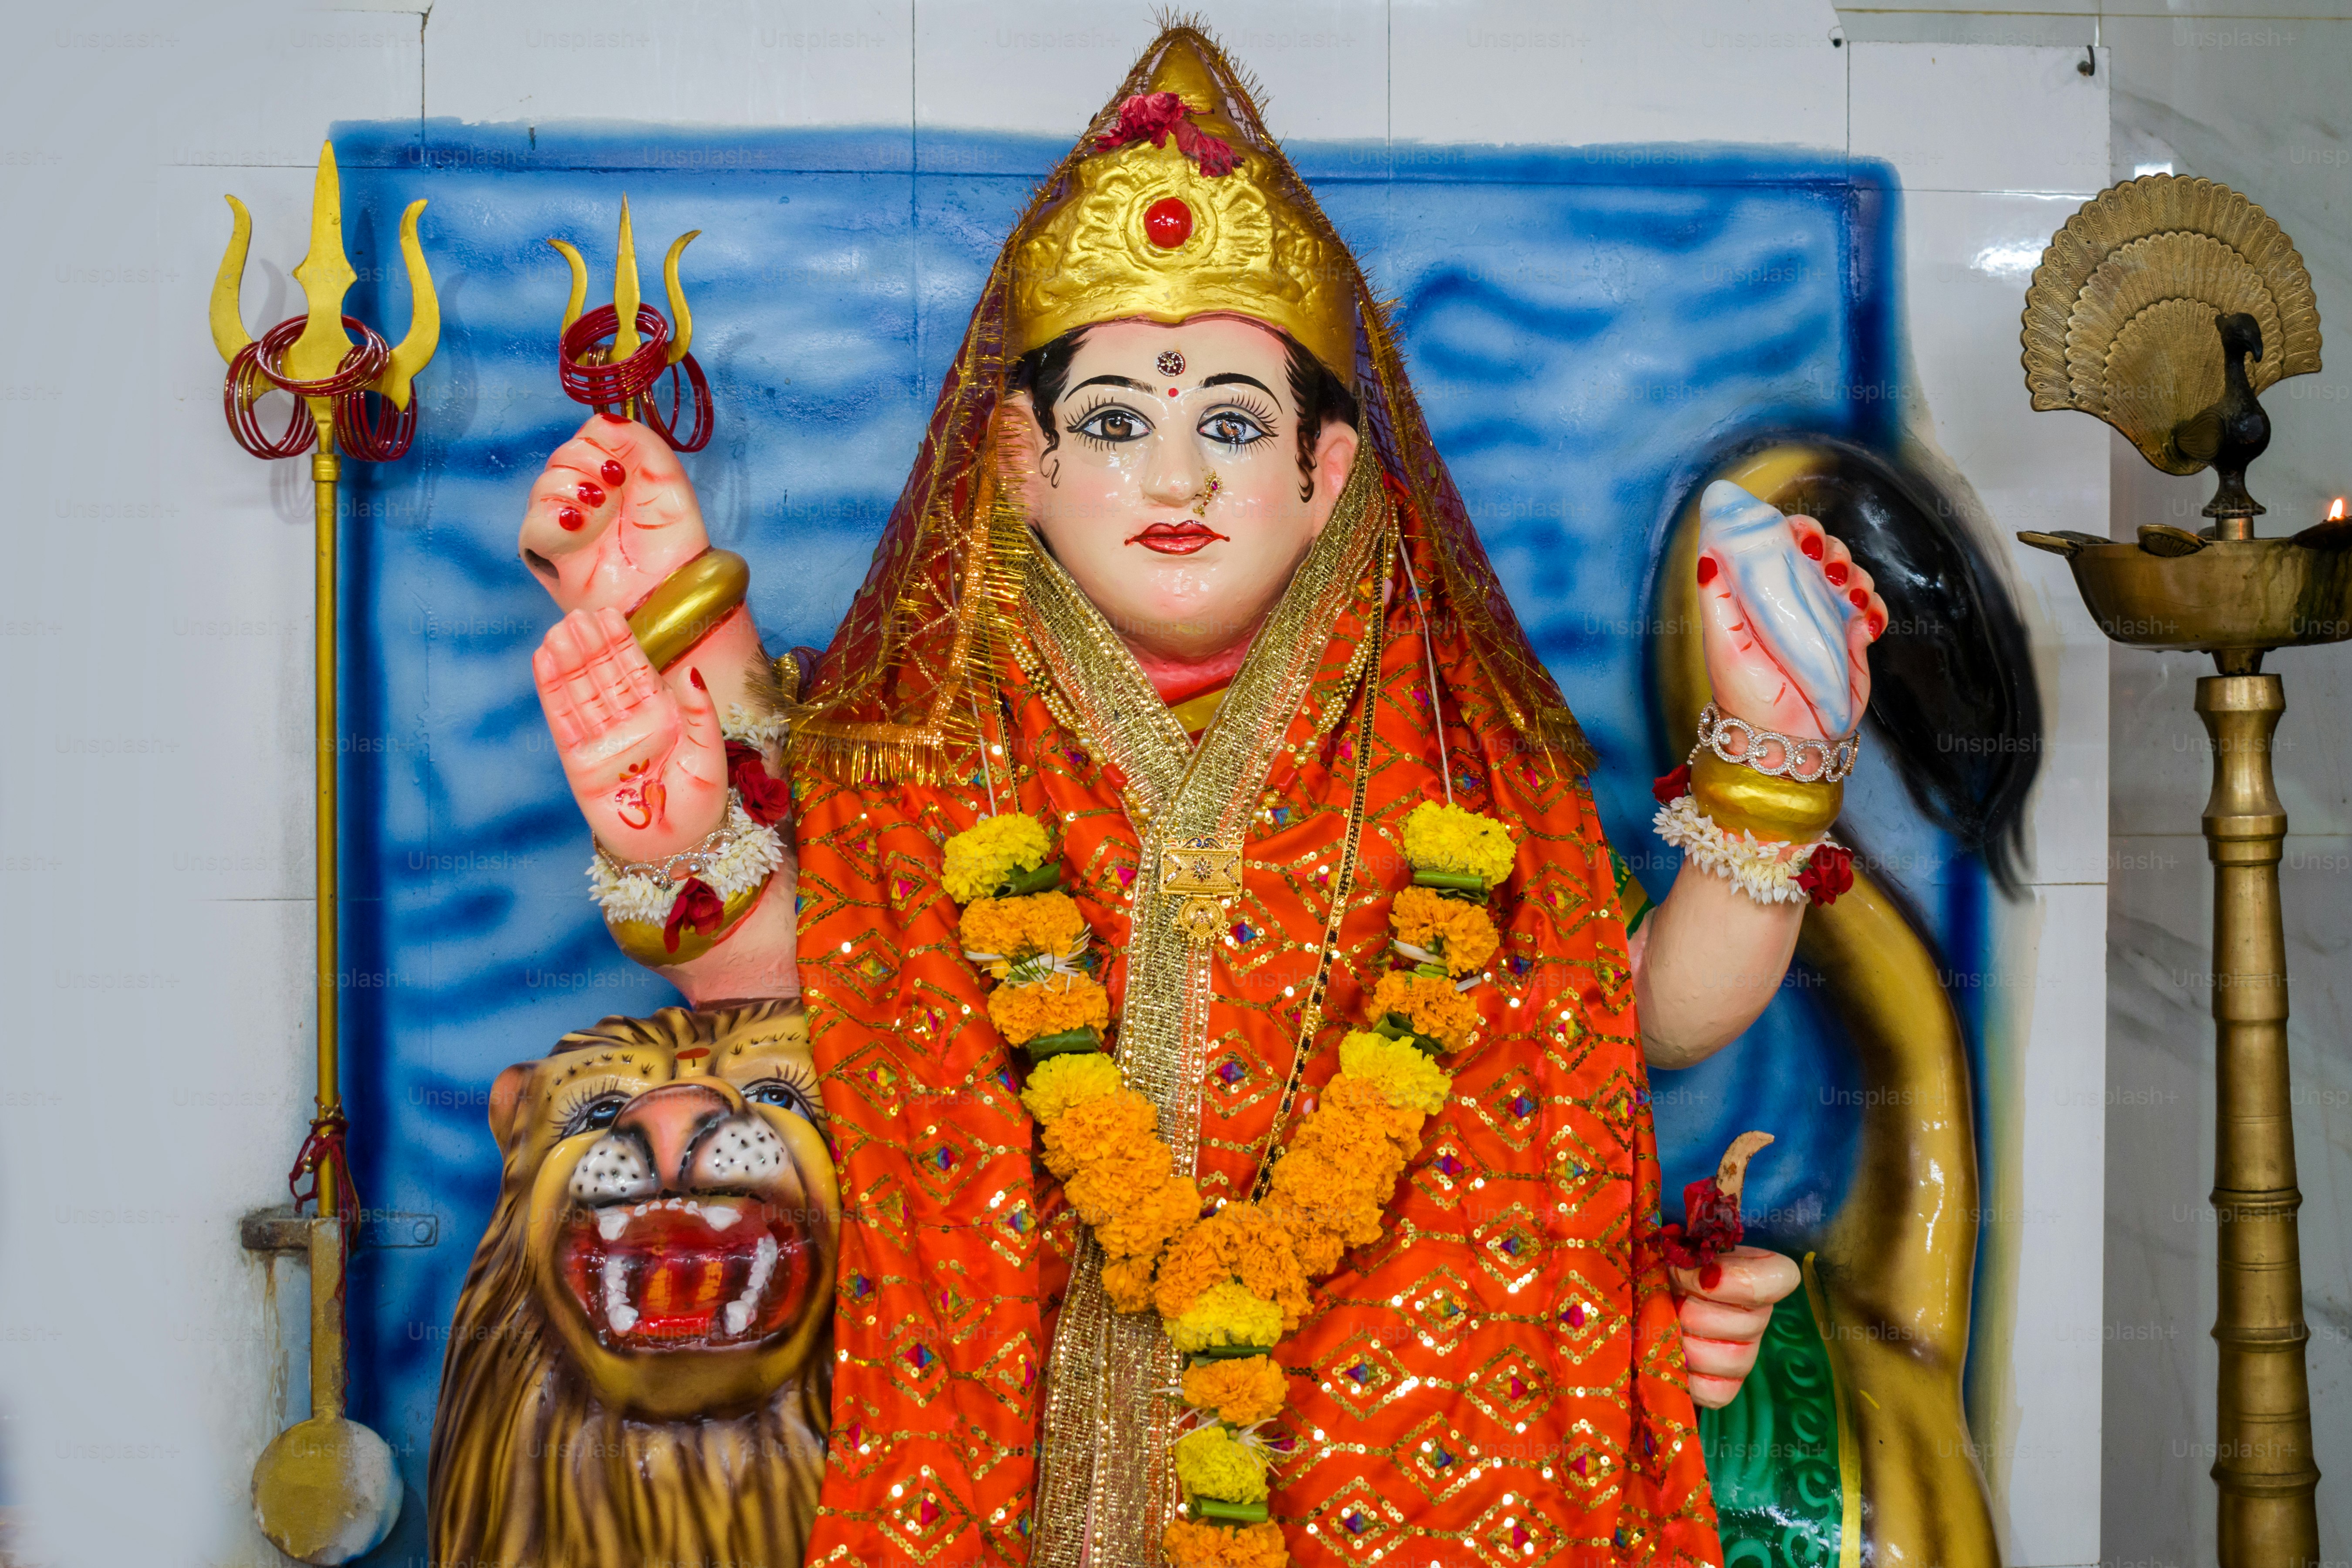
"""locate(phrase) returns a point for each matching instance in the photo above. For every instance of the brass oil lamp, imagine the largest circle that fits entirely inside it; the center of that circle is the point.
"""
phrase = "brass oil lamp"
(2164, 306)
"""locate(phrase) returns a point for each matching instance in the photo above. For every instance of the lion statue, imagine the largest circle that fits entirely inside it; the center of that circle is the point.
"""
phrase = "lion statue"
(638, 1367)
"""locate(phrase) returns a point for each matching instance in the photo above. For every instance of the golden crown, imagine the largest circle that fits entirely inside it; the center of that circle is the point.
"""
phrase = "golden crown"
(1174, 212)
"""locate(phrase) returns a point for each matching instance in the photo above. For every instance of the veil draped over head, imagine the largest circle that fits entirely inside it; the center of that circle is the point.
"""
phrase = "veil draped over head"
(895, 698)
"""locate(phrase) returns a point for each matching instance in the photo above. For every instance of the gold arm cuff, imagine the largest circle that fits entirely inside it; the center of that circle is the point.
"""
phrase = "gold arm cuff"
(642, 939)
(1741, 800)
(687, 603)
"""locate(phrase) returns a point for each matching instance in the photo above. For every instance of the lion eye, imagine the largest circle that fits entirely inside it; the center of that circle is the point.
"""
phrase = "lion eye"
(596, 1115)
(775, 1091)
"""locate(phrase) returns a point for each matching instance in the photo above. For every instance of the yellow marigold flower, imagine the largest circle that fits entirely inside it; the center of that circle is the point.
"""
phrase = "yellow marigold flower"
(1403, 1072)
(1142, 1228)
(1211, 1464)
(1071, 1078)
(1242, 1391)
(1430, 1005)
(1191, 1545)
(1464, 933)
(1022, 1012)
(1452, 838)
(1226, 1315)
(985, 854)
(1037, 922)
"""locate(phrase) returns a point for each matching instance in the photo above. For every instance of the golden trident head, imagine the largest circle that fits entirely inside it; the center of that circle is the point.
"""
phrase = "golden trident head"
(621, 373)
(313, 355)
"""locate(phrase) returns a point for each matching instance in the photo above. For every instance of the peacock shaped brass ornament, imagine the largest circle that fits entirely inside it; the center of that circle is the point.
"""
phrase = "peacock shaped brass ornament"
(2164, 306)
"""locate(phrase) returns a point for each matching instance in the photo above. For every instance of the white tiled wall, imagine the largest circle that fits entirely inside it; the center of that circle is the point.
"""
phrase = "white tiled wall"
(157, 596)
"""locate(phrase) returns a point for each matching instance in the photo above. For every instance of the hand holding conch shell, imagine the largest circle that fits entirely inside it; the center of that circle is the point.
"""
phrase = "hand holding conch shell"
(1787, 617)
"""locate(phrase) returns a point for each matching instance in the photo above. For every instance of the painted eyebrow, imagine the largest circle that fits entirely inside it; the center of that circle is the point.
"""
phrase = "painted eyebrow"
(1111, 381)
(1229, 377)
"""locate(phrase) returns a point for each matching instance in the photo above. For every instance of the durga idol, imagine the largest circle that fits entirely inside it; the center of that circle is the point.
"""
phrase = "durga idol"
(1231, 1037)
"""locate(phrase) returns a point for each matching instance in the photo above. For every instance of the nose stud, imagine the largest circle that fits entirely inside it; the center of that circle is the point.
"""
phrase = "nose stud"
(1208, 494)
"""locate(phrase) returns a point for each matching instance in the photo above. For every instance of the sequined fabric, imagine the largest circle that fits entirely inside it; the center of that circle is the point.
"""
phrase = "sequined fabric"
(1500, 1381)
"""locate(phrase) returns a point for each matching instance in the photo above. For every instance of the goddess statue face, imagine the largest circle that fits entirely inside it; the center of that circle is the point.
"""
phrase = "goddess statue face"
(1165, 469)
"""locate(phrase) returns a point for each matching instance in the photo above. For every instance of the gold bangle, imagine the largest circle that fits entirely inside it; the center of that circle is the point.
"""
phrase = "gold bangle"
(1738, 799)
(642, 939)
(685, 605)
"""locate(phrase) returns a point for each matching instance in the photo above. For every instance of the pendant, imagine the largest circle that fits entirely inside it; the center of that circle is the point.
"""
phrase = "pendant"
(1199, 874)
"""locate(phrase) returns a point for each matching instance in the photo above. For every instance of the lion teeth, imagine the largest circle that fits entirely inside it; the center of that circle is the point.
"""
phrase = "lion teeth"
(764, 1265)
(610, 1223)
(618, 1310)
(718, 1218)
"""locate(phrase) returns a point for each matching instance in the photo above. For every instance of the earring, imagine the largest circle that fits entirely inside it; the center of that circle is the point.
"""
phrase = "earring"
(1201, 502)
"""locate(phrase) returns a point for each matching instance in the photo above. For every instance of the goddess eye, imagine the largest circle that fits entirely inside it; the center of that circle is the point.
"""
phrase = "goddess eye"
(1114, 425)
(1232, 428)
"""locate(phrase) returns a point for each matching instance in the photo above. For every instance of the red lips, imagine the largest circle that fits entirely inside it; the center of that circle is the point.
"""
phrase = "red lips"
(1176, 538)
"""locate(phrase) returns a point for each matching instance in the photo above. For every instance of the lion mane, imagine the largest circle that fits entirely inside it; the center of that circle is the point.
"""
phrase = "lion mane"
(529, 1469)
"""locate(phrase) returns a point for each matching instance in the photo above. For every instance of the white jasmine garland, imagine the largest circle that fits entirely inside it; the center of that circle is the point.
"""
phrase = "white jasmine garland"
(755, 726)
(739, 856)
(1764, 870)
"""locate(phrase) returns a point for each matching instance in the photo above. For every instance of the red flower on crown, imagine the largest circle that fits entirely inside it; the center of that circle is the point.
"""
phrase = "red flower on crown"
(1154, 117)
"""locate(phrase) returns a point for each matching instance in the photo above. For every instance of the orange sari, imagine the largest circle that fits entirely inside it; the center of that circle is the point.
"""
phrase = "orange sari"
(1500, 1380)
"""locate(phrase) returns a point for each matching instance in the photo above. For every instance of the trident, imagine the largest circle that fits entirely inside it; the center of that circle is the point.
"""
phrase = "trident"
(612, 356)
(325, 1489)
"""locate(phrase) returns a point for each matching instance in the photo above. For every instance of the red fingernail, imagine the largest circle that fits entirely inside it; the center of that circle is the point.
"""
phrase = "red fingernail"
(1836, 572)
(1812, 545)
(1706, 570)
(614, 473)
(1877, 625)
(614, 419)
(1861, 598)
(696, 677)
(573, 518)
(588, 493)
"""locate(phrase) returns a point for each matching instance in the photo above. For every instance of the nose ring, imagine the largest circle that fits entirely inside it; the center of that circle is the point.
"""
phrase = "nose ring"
(1209, 493)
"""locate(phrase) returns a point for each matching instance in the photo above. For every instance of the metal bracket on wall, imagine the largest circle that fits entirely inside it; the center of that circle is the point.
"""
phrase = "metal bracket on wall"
(280, 1229)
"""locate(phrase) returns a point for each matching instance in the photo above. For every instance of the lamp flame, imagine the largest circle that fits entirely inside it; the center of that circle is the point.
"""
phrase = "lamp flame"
(2336, 510)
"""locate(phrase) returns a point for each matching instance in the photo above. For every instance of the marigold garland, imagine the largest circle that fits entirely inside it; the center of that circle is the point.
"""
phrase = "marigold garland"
(1453, 838)
(1430, 1004)
(1461, 935)
(1229, 1286)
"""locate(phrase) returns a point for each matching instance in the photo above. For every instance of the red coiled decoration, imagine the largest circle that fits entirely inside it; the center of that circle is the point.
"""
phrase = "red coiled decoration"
(579, 364)
(257, 368)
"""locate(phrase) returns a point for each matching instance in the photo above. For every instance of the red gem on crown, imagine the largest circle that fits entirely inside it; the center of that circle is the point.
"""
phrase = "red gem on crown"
(1168, 222)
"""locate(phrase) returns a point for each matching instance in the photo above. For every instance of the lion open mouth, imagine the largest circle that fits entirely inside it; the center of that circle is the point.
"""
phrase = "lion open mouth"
(685, 1272)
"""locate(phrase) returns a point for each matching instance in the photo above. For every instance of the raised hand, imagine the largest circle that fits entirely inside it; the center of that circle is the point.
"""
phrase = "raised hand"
(1787, 618)
(646, 762)
(1722, 1328)
(613, 514)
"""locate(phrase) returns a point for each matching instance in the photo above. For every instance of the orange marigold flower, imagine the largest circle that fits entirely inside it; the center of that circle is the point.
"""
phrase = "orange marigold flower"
(1118, 1183)
(1092, 1129)
(1430, 1005)
(1140, 1228)
(1463, 932)
(1242, 1391)
(1022, 1012)
(1191, 1545)
(1128, 1282)
(1192, 1265)
(1010, 927)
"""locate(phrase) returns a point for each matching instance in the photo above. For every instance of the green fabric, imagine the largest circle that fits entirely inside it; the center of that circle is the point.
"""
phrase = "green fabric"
(1636, 904)
(1772, 1452)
